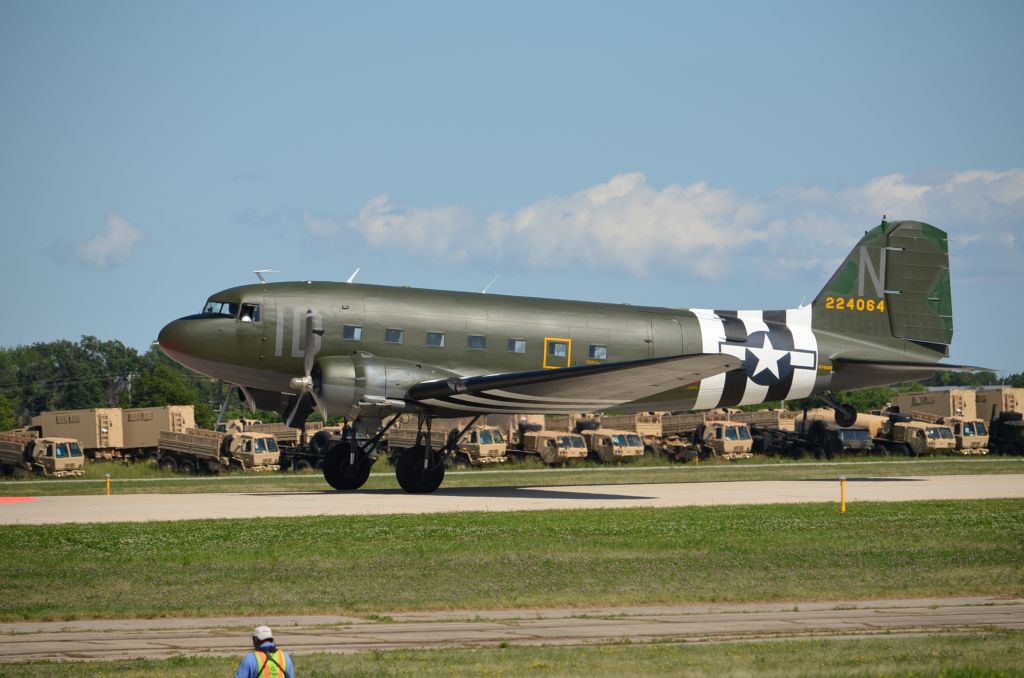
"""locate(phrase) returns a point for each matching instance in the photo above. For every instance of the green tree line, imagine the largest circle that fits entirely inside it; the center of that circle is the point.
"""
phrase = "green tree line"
(66, 375)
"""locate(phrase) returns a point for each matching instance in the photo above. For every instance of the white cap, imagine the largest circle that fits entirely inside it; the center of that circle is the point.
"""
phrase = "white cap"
(262, 633)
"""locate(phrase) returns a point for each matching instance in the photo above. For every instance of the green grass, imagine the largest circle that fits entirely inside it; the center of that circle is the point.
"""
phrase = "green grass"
(579, 558)
(996, 653)
(143, 478)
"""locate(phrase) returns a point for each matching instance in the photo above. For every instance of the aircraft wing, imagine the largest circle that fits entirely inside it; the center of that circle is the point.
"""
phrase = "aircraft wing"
(584, 388)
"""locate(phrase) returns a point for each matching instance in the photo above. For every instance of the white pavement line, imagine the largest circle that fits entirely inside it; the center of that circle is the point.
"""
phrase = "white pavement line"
(256, 504)
(507, 471)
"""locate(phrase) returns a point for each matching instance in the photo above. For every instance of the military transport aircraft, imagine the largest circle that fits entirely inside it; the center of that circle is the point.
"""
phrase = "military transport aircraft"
(370, 352)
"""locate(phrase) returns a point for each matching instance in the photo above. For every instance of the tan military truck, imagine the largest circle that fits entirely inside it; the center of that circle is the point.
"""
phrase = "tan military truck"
(647, 425)
(1003, 398)
(479, 445)
(782, 420)
(199, 450)
(99, 431)
(612, 446)
(552, 447)
(23, 453)
(706, 434)
(897, 433)
(971, 435)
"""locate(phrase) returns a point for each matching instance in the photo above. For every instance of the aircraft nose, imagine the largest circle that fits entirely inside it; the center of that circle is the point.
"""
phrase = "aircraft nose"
(173, 338)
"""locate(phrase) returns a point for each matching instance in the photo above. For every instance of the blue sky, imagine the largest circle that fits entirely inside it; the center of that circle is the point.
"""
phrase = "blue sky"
(683, 154)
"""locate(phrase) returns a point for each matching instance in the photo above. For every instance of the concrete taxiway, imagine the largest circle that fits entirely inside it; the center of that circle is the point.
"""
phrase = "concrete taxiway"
(161, 638)
(147, 507)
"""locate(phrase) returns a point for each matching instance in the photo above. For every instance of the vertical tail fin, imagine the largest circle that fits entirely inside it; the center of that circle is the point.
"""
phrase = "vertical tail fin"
(894, 284)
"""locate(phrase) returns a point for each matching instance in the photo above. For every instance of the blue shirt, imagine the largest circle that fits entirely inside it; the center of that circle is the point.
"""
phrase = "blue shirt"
(250, 667)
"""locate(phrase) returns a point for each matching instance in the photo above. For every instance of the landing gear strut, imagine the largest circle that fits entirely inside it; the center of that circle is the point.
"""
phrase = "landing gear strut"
(846, 415)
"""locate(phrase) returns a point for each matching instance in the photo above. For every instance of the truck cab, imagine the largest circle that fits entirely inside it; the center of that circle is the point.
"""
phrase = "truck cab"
(923, 438)
(256, 451)
(554, 447)
(483, 445)
(613, 446)
(971, 434)
(729, 439)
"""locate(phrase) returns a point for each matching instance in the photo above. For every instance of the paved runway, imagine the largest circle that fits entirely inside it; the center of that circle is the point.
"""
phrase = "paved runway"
(146, 507)
(162, 638)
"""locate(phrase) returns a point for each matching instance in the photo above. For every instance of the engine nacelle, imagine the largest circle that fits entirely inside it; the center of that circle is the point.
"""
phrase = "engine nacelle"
(364, 380)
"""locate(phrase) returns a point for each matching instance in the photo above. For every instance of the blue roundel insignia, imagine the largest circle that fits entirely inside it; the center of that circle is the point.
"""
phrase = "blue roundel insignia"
(765, 363)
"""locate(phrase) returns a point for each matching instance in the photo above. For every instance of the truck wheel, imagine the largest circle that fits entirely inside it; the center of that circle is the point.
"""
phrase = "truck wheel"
(303, 465)
(413, 477)
(320, 443)
(909, 451)
(187, 467)
(339, 471)
(168, 464)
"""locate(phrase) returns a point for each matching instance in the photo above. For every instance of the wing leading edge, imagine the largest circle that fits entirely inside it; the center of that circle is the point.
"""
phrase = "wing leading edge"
(584, 388)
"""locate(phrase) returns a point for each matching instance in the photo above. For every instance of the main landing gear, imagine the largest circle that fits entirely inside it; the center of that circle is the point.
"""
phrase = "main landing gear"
(419, 469)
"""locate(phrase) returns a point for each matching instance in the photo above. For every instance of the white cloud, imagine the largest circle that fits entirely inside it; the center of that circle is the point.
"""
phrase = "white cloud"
(112, 246)
(625, 224)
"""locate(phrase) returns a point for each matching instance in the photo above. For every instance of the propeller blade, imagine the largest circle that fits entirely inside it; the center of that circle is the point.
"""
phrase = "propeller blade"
(295, 409)
(319, 403)
(310, 344)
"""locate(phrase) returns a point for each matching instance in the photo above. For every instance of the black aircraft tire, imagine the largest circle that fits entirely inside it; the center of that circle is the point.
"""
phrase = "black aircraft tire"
(411, 475)
(846, 416)
(340, 473)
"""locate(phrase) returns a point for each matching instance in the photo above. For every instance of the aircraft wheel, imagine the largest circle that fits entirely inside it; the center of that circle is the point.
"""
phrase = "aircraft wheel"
(340, 473)
(846, 415)
(413, 477)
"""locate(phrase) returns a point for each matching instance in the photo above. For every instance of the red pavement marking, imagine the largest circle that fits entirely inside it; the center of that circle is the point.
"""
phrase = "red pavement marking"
(17, 500)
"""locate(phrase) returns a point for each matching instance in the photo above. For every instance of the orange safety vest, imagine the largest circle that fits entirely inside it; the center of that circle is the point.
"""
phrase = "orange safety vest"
(271, 665)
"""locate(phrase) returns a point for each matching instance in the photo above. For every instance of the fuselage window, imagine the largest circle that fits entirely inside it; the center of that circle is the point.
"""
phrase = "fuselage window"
(435, 339)
(250, 313)
(558, 349)
(353, 332)
(225, 308)
(516, 345)
(598, 352)
(476, 341)
(394, 336)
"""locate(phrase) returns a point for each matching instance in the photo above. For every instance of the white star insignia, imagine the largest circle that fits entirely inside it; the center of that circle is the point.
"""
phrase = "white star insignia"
(767, 358)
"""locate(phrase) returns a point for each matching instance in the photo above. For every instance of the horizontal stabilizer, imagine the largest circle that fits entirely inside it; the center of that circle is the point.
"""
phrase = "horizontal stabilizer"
(851, 373)
(585, 388)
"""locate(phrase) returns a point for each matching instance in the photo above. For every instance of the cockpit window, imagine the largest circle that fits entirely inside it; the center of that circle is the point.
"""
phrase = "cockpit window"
(228, 309)
(250, 313)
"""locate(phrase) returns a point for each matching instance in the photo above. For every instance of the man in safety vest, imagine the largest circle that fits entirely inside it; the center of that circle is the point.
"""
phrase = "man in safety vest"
(265, 661)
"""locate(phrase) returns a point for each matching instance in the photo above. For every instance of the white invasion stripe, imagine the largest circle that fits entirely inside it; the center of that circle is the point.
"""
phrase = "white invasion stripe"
(712, 333)
(520, 404)
(753, 321)
(523, 396)
(799, 322)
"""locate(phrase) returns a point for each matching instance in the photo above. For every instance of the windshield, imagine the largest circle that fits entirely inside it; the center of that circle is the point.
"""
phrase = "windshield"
(485, 437)
(744, 433)
(224, 308)
(618, 440)
(980, 429)
(854, 434)
(932, 432)
(76, 451)
(577, 441)
(730, 433)
(498, 438)
(564, 441)
(634, 440)
(265, 445)
(944, 432)
(62, 451)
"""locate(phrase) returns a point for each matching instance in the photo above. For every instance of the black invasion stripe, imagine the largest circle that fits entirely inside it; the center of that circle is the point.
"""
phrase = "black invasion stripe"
(735, 380)
(781, 338)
